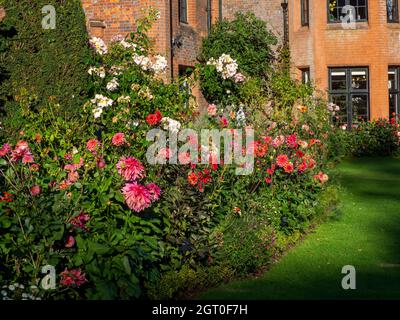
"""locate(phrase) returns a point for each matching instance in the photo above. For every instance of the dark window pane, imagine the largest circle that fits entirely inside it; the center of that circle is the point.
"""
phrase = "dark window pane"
(359, 108)
(359, 80)
(392, 10)
(392, 104)
(338, 80)
(394, 91)
(305, 76)
(353, 97)
(392, 75)
(361, 13)
(335, 8)
(183, 11)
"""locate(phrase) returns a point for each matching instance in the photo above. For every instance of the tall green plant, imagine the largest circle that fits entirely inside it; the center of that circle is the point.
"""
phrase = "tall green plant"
(247, 39)
(44, 63)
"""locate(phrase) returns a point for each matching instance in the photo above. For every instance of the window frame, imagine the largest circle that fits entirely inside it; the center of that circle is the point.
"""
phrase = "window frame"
(395, 91)
(349, 91)
(339, 21)
(396, 11)
(305, 71)
(183, 11)
(305, 13)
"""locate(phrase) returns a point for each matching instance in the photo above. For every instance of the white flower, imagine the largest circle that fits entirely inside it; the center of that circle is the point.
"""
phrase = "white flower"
(124, 99)
(239, 78)
(132, 124)
(225, 65)
(171, 124)
(127, 45)
(97, 112)
(100, 72)
(158, 15)
(74, 151)
(241, 116)
(113, 85)
(102, 101)
(212, 62)
(160, 64)
(142, 61)
(11, 287)
(117, 38)
(3, 292)
(116, 70)
(99, 45)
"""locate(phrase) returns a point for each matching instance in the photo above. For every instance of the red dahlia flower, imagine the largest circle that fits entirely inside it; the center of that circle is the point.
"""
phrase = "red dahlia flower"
(73, 277)
(193, 179)
(282, 160)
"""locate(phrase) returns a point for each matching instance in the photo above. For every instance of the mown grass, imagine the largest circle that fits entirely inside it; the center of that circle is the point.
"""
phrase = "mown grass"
(364, 233)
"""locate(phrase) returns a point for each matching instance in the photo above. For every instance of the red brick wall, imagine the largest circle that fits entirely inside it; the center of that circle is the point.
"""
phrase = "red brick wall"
(267, 10)
(107, 18)
(374, 44)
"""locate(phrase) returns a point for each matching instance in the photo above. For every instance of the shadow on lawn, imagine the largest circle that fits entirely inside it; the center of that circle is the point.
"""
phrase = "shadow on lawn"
(314, 270)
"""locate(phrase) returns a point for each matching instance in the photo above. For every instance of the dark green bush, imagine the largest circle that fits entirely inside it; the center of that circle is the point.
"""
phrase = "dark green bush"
(45, 64)
(246, 39)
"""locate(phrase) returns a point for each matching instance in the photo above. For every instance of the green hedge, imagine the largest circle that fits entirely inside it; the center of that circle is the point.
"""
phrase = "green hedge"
(43, 63)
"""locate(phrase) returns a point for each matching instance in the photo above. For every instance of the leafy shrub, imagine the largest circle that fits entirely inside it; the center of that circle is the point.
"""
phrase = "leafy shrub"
(79, 194)
(374, 138)
(247, 244)
(246, 39)
(42, 63)
(64, 204)
(249, 43)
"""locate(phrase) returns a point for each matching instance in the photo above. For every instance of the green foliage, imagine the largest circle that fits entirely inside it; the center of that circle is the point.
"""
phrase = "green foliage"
(249, 43)
(247, 245)
(119, 251)
(375, 138)
(209, 223)
(43, 64)
(246, 39)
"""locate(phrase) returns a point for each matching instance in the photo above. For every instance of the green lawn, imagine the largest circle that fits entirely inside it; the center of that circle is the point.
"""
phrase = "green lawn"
(365, 233)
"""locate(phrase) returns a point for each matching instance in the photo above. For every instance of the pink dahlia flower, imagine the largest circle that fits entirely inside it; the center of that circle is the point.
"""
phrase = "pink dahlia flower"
(80, 221)
(212, 110)
(35, 190)
(130, 168)
(70, 242)
(21, 152)
(154, 190)
(118, 139)
(5, 149)
(92, 144)
(137, 197)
